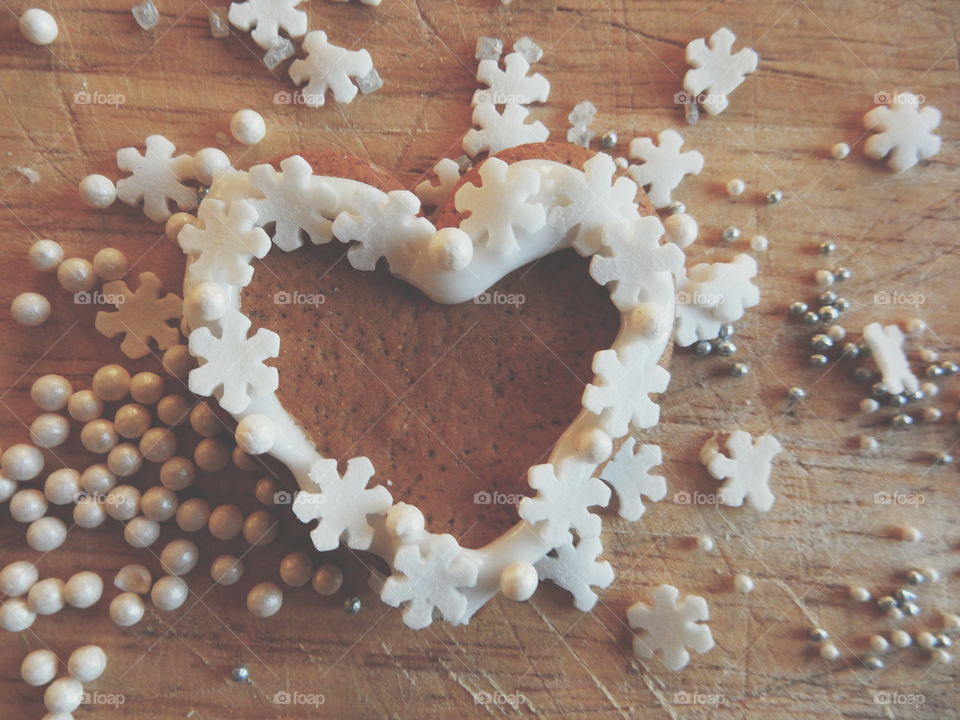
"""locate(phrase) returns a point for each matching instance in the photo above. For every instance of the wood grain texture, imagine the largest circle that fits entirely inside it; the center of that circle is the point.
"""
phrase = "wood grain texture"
(821, 63)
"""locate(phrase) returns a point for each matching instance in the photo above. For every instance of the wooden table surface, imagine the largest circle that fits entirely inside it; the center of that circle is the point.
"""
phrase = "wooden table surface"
(821, 63)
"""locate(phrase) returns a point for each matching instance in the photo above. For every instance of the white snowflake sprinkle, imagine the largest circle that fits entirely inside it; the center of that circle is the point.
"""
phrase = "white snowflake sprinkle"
(560, 506)
(141, 316)
(746, 471)
(628, 473)
(267, 17)
(447, 172)
(234, 362)
(512, 85)
(624, 382)
(502, 205)
(341, 504)
(497, 131)
(664, 166)
(671, 626)
(709, 295)
(904, 132)
(429, 577)
(886, 347)
(715, 70)
(695, 321)
(293, 203)
(328, 67)
(223, 243)
(156, 178)
(577, 570)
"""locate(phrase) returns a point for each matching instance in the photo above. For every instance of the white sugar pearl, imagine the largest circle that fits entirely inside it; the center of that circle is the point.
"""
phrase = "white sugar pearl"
(178, 473)
(908, 533)
(7, 488)
(836, 332)
(204, 421)
(87, 663)
(405, 522)
(133, 578)
(824, 278)
(878, 643)
(179, 557)
(193, 515)
(929, 355)
(110, 264)
(859, 594)
(76, 275)
(17, 578)
(901, 638)
(38, 26)
(207, 301)
(45, 255)
(451, 249)
(141, 532)
(63, 695)
(264, 599)
(49, 430)
(226, 569)
(30, 309)
(131, 420)
(29, 505)
(840, 150)
(47, 596)
(84, 589)
(97, 479)
(62, 486)
(169, 593)
(99, 192)
(242, 461)
(594, 445)
(21, 462)
(89, 512)
(226, 522)
(16, 615)
(868, 443)
(260, 528)
(706, 543)
(266, 489)
(126, 609)
(51, 392)
(736, 187)
(296, 569)
(915, 326)
(649, 319)
(829, 651)
(759, 243)
(256, 434)
(519, 581)
(173, 410)
(327, 579)
(83, 405)
(146, 388)
(159, 504)
(158, 444)
(926, 640)
(46, 534)
(39, 667)
(207, 163)
(743, 583)
(211, 455)
(247, 127)
(125, 460)
(111, 383)
(681, 229)
(951, 622)
(123, 503)
(175, 224)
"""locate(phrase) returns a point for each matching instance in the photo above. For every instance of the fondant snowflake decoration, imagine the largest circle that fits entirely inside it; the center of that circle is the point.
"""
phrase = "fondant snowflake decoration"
(497, 131)
(447, 172)
(328, 67)
(886, 347)
(695, 319)
(671, 626)
(621, 395)
(512, 85)
(577, 570)
(224, 243)
(234, 363)
(593, 200)
(727, 288)
(141, 316)
(560, 506)
(631, 254)
(429, 577)
(501, 205)
(342, 504)
(716, 71)
(267, 17)
(383, 226)
(156, 178)
(905, 132)
(628, 473)
(293, 203)
(746, 471)
(664, 166)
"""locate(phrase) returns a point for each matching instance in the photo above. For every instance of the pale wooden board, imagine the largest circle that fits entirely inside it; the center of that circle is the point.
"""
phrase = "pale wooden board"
(821, 64)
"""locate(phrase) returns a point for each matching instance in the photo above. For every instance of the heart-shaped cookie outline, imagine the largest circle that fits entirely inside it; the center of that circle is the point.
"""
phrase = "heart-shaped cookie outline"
(585, 209)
